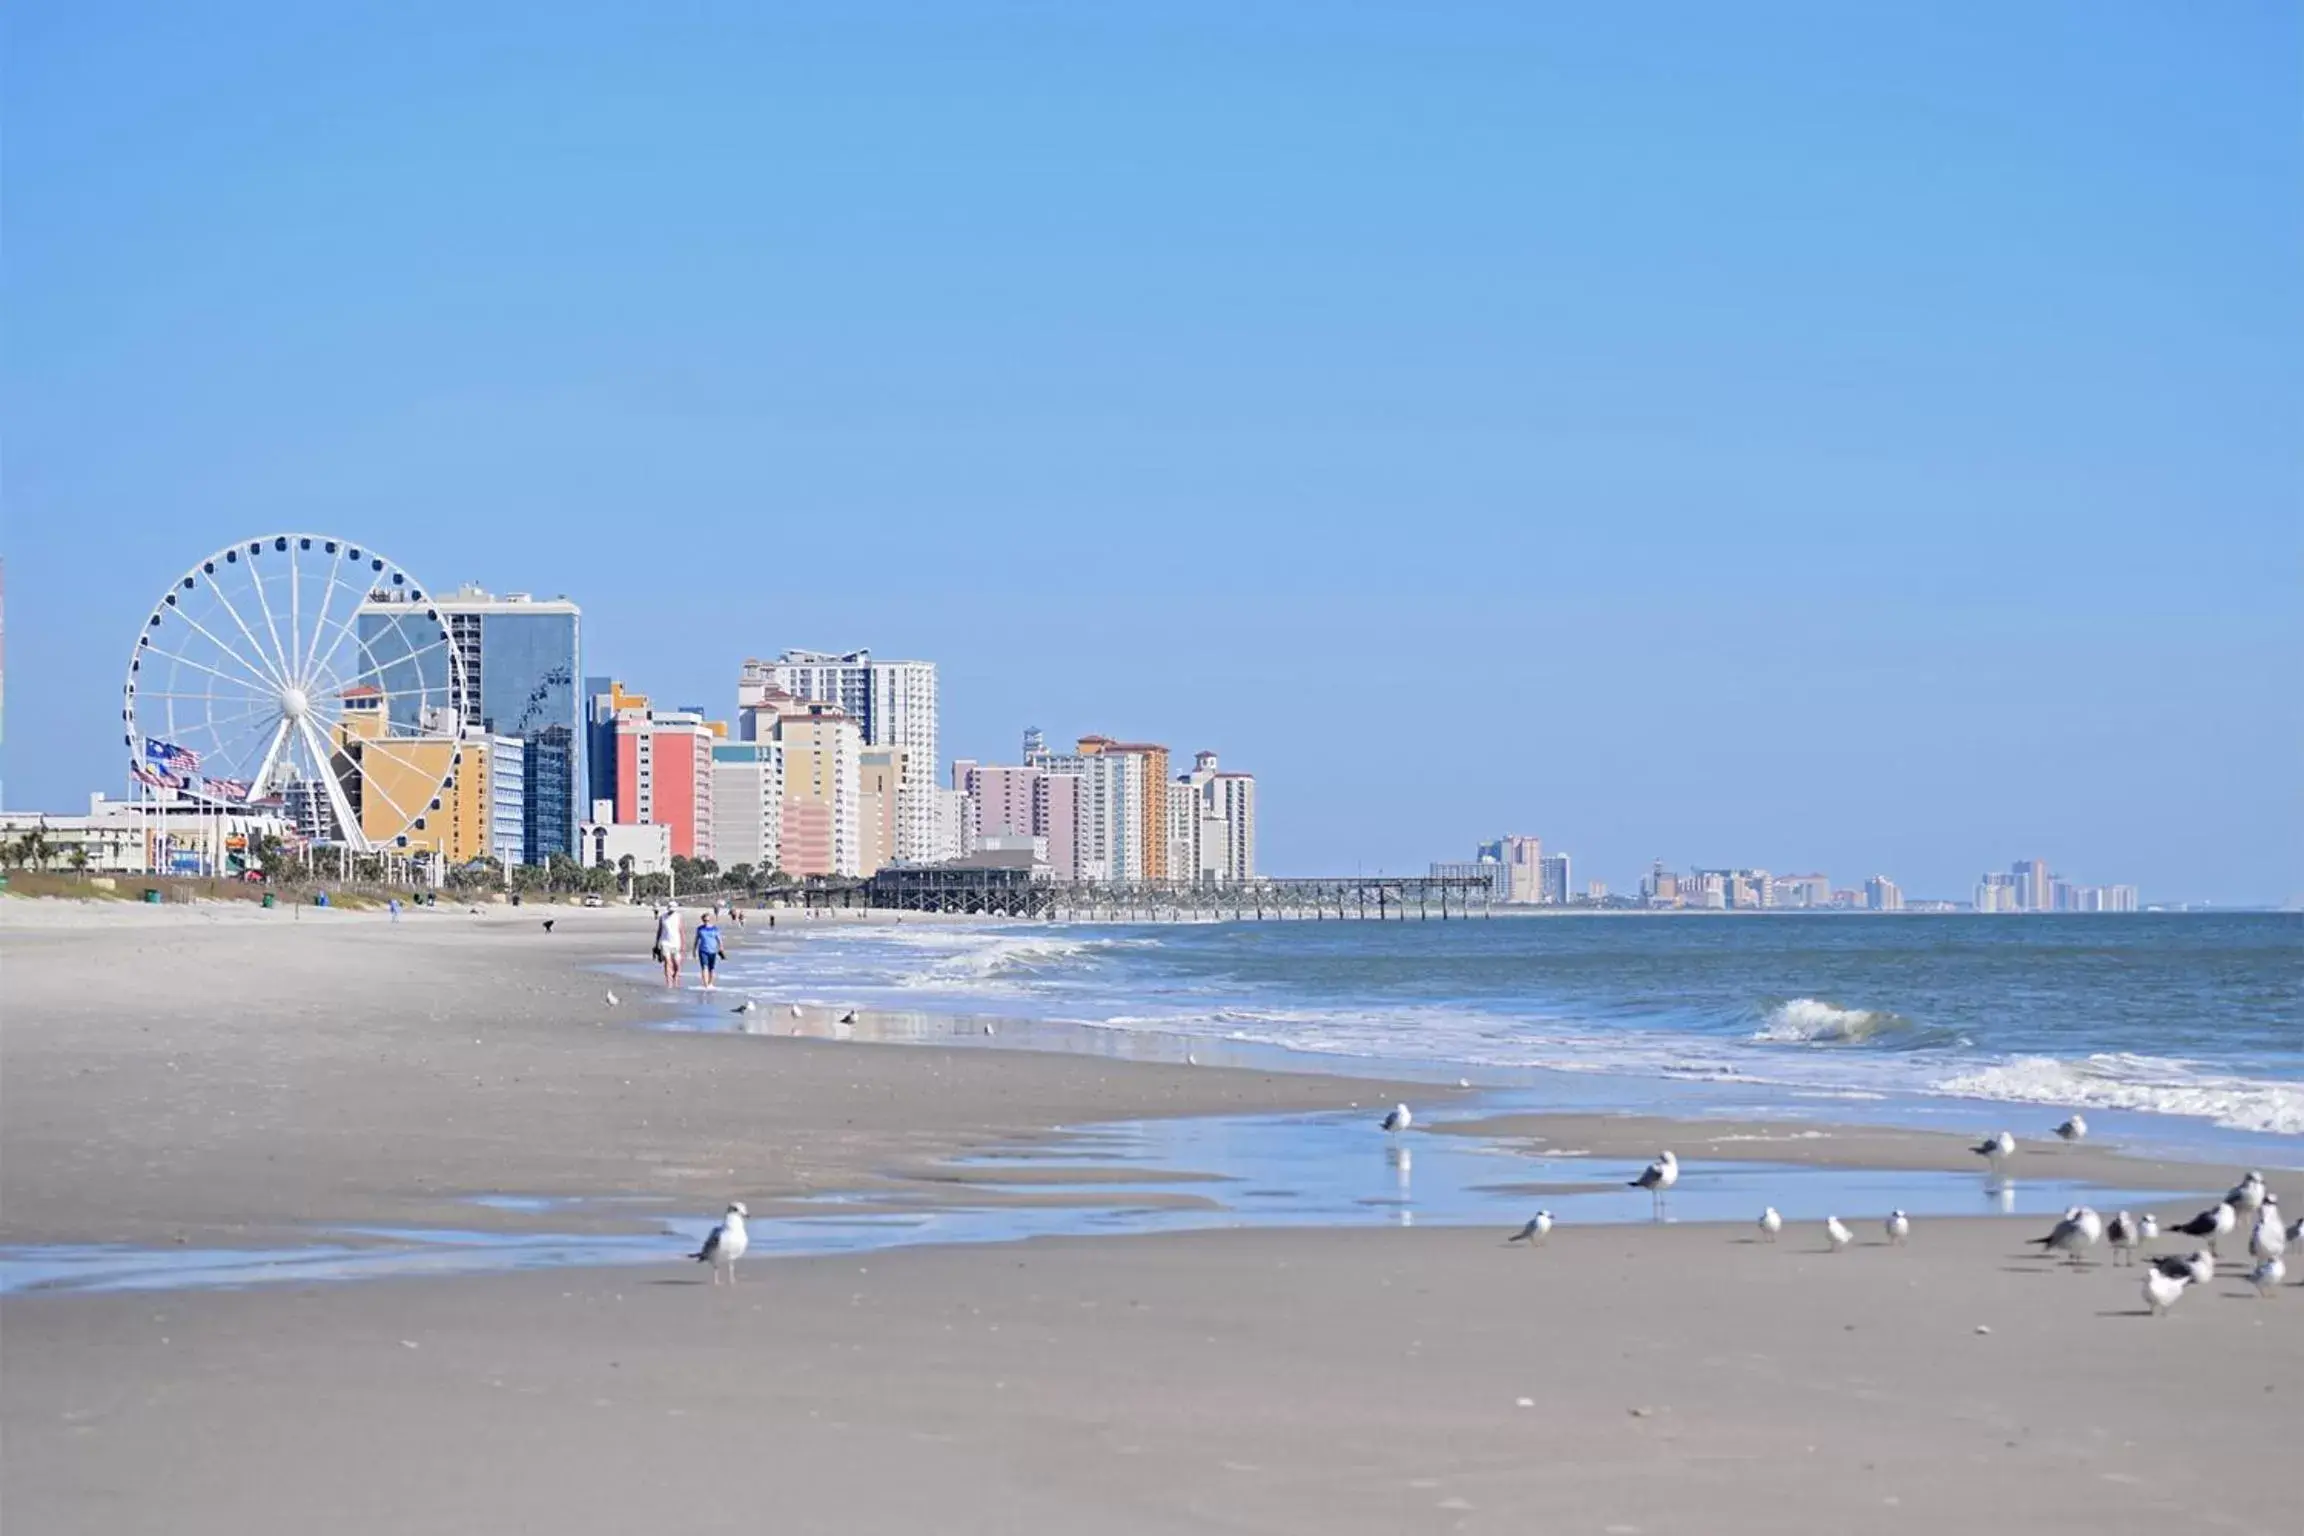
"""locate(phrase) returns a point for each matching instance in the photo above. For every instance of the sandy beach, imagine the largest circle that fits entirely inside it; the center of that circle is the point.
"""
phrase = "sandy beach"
(214, 1078)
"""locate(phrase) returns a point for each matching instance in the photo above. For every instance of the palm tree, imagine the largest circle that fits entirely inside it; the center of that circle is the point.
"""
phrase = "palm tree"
(78, 858)
(35, 848)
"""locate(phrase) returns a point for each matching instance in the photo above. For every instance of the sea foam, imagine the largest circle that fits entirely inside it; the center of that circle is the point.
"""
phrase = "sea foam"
(2123, 1080)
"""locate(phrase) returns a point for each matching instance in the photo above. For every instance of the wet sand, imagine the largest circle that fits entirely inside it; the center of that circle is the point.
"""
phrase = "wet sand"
(243, 1078)
(1677, 1379)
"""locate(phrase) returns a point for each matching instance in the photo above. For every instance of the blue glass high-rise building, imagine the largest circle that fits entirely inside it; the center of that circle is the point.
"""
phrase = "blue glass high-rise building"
(519, 659)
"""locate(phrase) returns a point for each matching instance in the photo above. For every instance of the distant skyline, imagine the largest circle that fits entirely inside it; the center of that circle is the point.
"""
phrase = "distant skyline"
(1782, 434)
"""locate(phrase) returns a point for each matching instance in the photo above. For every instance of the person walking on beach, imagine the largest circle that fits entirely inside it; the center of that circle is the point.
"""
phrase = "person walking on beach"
(668, 943)
(707, 948)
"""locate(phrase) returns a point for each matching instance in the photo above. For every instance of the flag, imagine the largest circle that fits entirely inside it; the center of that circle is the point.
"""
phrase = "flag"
(155, 777)
(169, 757)
(228, 789)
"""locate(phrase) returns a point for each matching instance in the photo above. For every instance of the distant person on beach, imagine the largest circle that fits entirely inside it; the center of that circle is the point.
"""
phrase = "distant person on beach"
(668, 943)
(707, 948)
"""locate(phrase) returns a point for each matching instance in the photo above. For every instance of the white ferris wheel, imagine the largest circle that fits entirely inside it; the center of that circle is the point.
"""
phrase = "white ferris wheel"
(304, 675)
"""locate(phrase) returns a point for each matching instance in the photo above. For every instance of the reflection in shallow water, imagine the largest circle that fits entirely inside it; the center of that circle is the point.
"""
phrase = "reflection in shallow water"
(1325, 1170)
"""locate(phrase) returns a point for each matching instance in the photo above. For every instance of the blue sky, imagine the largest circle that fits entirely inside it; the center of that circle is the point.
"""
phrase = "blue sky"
(1813, 436)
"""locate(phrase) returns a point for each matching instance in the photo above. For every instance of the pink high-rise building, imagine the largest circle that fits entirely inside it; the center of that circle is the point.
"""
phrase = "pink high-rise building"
(1030, 801)
(664, 775)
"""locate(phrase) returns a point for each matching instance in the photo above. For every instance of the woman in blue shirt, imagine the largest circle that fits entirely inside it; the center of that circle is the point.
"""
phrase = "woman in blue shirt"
(707, 948)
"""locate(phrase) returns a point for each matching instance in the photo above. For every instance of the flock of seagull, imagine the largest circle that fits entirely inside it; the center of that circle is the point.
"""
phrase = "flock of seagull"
(2166, 1277)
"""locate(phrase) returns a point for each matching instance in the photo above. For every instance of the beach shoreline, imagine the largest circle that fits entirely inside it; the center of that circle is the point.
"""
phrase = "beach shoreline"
(145, 1103)
(180, 1080)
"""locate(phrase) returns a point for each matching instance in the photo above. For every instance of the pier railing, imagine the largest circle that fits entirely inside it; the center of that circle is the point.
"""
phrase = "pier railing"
(1014, 893)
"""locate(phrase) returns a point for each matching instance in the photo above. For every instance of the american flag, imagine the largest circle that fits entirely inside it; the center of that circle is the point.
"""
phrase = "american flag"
(169, 757)
(155, 778)
(228, 789)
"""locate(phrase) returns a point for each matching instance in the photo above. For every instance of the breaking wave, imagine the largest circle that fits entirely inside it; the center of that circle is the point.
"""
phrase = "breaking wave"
(1810, 1021)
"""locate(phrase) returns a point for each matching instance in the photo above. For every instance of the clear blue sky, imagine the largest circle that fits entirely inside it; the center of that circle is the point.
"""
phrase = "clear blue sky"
(1815, 436)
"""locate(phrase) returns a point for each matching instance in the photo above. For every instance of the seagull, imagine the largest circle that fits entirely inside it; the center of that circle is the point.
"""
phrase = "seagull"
(1398, 1120)
(1658, 1177)
(748, 1006)
(2266, 1277)
(2246, 1195)
(1539, 1226)
(1770, 1224)
(1463, 1082)
(725, 1244)
(2074, 1129)
(2148, 1227)
(2211, 1223)
(2074, 1235)
(2122, 1234)
(2162, 1289)
(1837, 1234)
(987, 1026)
(611, 999)
(849, 1017)
(2296, 1230)
(795, 1010)
(548, 925)
(1899, 1228)
(2199, 1267)
(2268, 1237)
(1994, 1148)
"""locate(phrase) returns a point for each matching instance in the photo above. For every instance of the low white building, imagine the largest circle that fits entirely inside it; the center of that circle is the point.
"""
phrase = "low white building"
(607, 844)
(136, 837)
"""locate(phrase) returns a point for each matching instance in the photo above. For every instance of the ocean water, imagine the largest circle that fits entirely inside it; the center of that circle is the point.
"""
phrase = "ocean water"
(2199, 1017)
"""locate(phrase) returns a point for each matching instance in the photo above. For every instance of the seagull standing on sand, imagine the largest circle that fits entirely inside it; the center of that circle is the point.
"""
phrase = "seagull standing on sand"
(2198, 1268)
(611, 999)
(2211, 1224)
(2268, 1238)
(2073, 1129)
(2074, 1235)
(1836, 1233)
(1538, 1228)
(2162, 1289)
(2122, 1234)
(1658, 1177)
(2246, 1195)
(2266, 1277)
(1399, 1120)
(1770, 1224)
(1899, 1228)
(725, 1244)
(2148, 1227)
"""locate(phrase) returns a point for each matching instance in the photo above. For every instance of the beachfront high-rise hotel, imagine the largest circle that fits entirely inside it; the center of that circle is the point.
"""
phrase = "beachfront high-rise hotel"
(518, 656)
(893, 704)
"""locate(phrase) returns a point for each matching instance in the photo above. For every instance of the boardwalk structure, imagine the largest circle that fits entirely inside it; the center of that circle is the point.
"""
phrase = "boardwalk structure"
(1016, 893)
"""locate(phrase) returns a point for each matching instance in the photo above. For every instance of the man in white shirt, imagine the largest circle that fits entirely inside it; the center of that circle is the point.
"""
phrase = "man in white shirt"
(668, 943)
